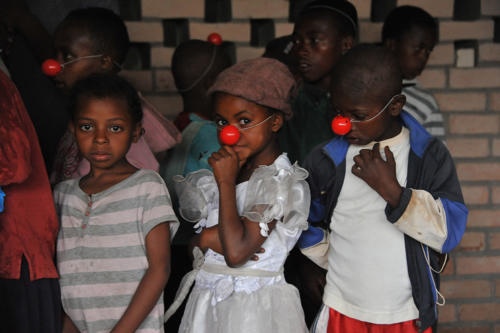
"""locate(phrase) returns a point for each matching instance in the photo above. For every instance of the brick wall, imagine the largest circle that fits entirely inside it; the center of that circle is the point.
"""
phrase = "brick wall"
(467, 89)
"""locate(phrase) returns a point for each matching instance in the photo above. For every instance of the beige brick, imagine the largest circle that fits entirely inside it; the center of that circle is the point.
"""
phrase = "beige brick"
(496, 147)
(260, 8)
(246, 52)
(173, 8)
(475, 77)
(433, 78)
(164, 81)
(370, 32)
(490, 7)
(483, 218)
(479, 171)
(169, 105)
(495, 101)
(466, 147)
(283, 29)
(495, 194)
(489, 52)
(450, 30)
(476, 312)
(145, 31)
(363, 8)
(443, 54)
(495, 241)
(477, 124)
(466, 101)
(447, 313)
(162, 56)
(478, 265)
(466, 289)
(437, 8)
(141, 80)
(234, 32)
(475, 195)
(449, 269)
(472, 241)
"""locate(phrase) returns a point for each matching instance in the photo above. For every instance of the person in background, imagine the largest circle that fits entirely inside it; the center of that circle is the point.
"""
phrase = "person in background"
(195, 65)
(411, 34)
(323, 32)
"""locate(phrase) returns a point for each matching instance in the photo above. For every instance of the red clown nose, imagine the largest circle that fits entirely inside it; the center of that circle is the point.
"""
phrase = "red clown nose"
(51, 67)
(229, 135)
(215, 38)
(341, 125)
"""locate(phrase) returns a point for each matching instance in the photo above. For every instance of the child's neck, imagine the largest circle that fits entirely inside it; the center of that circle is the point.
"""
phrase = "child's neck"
(266, 157)
(98, 180)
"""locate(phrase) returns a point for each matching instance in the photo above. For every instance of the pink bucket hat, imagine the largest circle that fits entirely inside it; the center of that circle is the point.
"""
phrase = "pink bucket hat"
(264, 81)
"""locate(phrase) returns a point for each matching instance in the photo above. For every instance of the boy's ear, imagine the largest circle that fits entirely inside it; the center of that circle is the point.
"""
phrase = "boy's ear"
(107, 64)
(278, 121)
(347, 44)
(397, 104)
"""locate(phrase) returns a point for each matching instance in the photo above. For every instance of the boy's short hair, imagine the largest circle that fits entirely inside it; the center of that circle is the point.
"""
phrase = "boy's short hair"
(105, 28)
(106, 85)
(195, 61)
(403, 18)
(368, 70)
(346, 16)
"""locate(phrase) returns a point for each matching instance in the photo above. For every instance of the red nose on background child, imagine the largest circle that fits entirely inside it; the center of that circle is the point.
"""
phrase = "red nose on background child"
(229, 135)
(51, 67)
(341, 125)
(214, 38)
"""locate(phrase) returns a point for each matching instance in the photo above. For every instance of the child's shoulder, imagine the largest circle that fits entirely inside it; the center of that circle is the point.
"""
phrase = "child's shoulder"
(66, 186)
(148, 176)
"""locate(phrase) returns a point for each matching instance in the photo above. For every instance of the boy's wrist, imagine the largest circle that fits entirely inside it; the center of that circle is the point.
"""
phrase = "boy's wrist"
(393, 196)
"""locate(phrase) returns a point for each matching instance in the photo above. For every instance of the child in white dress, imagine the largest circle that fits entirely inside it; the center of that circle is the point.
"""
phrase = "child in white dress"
(255, 201)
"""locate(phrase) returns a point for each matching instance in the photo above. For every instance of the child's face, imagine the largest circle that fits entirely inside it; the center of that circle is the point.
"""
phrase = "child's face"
(71, 43)
(382, 127)
(104, 130)
(239, 112)
(318, 46)
(413, 50)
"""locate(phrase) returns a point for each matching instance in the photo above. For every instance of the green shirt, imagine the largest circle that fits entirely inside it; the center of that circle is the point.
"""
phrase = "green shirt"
(310, 124)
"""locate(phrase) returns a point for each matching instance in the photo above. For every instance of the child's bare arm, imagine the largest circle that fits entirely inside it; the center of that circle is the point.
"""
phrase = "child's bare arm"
(240, 238)
(209, 239)
(152, 283)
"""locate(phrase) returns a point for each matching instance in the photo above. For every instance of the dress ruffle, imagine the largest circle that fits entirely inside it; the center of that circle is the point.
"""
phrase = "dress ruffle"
(275, 192)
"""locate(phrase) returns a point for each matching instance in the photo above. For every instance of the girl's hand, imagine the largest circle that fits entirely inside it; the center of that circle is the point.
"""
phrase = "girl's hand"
(225, 164)
(379, 174)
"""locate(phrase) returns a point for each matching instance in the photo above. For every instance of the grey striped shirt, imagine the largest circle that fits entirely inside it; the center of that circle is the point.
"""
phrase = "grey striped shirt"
(424, 108)
(101, 253)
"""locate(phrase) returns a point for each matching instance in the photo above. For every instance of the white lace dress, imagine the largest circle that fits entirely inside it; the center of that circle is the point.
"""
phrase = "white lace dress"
(254, 297)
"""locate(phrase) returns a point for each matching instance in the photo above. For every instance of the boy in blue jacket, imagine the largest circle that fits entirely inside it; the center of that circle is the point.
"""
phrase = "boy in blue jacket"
(389, 194)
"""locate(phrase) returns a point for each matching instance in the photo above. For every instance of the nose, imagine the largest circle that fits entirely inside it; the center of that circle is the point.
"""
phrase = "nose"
(101, 136)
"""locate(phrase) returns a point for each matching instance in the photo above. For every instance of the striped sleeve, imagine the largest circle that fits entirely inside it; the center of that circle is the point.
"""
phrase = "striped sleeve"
(157, 208)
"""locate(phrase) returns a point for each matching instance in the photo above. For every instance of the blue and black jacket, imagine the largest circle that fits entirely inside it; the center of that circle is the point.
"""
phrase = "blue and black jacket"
(431, 169)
